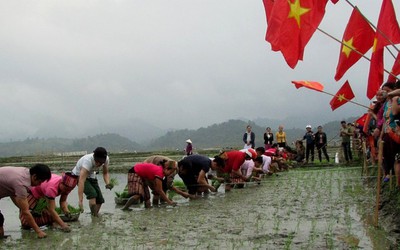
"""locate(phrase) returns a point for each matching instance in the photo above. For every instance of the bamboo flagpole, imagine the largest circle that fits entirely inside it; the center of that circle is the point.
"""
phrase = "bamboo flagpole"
(356, 51)
(378, 183)
(365, 169)
(320, 88)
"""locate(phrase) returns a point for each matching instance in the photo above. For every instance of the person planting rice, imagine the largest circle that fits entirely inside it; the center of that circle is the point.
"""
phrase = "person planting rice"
(143, 176)
(233, 160)
(14, 183)
(42, 203)
(193, 169)
(266, 161)
(86, 169)
(168, 181)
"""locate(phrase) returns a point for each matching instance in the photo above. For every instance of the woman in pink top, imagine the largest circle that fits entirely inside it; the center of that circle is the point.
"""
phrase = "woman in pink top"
(57, 185)
(145, 175)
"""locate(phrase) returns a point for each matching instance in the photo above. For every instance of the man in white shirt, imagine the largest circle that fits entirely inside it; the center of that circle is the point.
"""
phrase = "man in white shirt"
(86, 169)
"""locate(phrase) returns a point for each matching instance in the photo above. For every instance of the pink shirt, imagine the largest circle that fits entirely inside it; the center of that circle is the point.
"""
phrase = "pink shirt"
(47, 189)
(149, 171)
(14, 181)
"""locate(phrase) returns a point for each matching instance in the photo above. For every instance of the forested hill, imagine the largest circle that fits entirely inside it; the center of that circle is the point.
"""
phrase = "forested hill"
(229, 134)
(224, 135)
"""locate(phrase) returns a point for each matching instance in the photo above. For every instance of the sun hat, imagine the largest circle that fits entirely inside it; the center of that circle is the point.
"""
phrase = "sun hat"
(100, 154)
(188, 141)
(308, 126)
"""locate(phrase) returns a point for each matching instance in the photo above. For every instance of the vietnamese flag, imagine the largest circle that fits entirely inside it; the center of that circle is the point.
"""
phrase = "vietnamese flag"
(268, 5)
(361, 121)
(357, 39)
(344, 95)
(395, 69)
(309, 84)
(388, 32)
(291, 25)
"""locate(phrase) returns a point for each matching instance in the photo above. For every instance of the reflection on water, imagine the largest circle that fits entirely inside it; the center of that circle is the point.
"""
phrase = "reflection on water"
(298, 209)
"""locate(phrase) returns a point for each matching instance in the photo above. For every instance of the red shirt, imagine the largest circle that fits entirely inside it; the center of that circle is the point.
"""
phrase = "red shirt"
(149, 171)
(234, 161)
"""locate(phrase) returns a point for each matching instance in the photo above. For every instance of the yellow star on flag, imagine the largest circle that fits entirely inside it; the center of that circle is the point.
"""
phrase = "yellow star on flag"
(348, 47)
(296, 11)
(374, 46)
(341, 97)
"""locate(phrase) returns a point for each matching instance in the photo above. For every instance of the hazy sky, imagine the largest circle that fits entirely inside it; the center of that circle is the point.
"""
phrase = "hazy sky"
(78, 65)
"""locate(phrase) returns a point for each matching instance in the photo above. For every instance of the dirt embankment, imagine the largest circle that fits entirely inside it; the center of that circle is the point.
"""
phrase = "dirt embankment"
(389, 213)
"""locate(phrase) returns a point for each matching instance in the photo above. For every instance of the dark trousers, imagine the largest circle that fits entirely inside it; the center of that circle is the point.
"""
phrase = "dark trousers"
(389, 151)
(310, 149)
(347, 151)
(322, 147)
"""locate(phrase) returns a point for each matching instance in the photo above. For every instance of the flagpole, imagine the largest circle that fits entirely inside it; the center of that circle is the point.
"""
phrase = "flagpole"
(356, 103)
(358, 52)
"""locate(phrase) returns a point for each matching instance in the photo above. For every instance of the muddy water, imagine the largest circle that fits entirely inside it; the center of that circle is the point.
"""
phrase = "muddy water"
(300, 209)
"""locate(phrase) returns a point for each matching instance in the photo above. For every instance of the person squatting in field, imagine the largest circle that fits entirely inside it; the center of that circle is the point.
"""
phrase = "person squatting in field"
(14, 183)
(193, 169)
(143, 176)
(86, 169)
(42, 203)
(168, 180)
(233, 161)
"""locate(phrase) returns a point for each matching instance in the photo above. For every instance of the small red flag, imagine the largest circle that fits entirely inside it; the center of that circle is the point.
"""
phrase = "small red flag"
(362, 119)
(344, 95)
(395, 70)
(309, 84)
(388, 32)
(291, 25)
(358, 36)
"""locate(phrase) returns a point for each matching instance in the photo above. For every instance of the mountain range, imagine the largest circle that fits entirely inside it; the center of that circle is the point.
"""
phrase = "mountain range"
(223, 135)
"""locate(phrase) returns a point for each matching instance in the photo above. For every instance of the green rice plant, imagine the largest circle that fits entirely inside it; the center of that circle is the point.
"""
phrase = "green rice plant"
(289, 240)
(72, 210)
(40, 206)
(114, 181)
(277, 222)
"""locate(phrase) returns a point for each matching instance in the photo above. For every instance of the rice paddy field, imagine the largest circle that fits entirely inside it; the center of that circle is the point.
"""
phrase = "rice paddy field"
(304, 208)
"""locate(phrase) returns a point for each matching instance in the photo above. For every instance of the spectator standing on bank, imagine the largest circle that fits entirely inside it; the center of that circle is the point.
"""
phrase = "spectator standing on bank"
(310, 143)
(321, 142)
(249, 138)
(346, 133)
(268, 138)
(281, 137)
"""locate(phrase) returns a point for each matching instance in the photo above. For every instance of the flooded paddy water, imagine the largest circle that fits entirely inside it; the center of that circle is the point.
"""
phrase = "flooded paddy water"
(299, 209)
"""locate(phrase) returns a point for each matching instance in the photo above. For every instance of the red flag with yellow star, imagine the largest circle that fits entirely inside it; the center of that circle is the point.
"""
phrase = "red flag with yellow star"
(395, 69)
(291, 25)
(357, 39)
(388, 32)
(344, 95)
(309, 84)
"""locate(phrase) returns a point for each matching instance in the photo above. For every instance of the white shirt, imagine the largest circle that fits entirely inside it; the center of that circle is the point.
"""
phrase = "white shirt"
(87, 162)
(267, 160)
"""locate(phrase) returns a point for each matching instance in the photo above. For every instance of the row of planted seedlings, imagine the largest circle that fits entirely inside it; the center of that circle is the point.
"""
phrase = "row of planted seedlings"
(315, 208)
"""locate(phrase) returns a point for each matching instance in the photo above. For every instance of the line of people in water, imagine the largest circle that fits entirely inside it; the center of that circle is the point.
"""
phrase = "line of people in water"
(34, 190)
